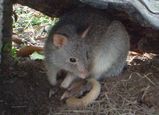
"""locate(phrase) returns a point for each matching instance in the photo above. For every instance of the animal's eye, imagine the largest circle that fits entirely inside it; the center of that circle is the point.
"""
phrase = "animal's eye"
(73, 60)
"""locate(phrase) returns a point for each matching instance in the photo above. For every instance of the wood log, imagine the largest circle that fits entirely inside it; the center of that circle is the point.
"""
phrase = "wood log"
(1, 16)
(6, 32)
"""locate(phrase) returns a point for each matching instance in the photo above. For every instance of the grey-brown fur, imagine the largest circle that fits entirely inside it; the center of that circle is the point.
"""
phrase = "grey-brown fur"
(101, 52)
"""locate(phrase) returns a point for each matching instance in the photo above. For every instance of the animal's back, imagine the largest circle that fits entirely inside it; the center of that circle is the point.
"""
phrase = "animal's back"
(111, 53)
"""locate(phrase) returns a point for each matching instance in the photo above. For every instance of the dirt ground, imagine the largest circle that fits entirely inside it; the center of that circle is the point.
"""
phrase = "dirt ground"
(24, 90)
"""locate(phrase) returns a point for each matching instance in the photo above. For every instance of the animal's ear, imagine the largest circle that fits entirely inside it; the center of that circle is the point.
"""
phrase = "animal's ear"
(59, 40)
(85, 32)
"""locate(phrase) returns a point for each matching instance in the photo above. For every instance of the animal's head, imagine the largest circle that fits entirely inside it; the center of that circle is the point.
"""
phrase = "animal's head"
(72, 52)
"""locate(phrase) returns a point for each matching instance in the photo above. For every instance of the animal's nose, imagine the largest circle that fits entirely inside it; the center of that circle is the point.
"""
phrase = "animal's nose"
(83, 74)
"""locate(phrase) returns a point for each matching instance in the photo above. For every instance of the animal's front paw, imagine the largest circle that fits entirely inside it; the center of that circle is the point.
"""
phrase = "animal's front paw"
(65, 84)
(52, 81)
(68, 80)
